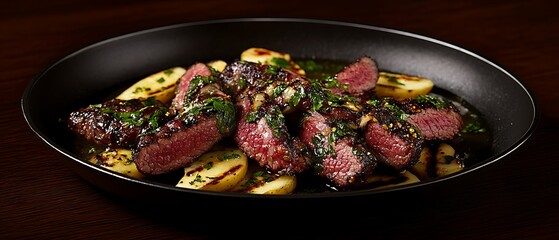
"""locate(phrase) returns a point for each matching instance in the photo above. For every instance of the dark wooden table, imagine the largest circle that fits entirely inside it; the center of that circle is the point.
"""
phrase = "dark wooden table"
(516, 198)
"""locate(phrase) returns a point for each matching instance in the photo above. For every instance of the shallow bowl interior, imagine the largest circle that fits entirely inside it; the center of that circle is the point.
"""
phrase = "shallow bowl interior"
(100, 68)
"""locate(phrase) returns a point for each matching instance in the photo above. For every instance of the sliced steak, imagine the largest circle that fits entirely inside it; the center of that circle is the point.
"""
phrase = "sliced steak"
(175, 145)
(198, 69)
(206, 117)
(436, 118)
(266, 140)
(118, 123)
(441, 124)
(397, 143)
(288, 90)
(336, 149)
(359, 77)
(264, 93)
(261, 89)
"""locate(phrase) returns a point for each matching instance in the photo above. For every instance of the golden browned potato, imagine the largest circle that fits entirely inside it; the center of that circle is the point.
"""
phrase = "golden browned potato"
(218, 170)
(267, 56)
(160, 85)
(401, 86)
(218, 65)
(117, 160)
(421, 168)
(259, 181)
(446, 160)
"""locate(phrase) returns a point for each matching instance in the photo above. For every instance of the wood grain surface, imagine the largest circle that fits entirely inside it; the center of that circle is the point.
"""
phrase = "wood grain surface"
(516, 198)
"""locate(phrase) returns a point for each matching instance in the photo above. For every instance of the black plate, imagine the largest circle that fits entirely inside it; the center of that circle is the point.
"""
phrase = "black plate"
(86, 74)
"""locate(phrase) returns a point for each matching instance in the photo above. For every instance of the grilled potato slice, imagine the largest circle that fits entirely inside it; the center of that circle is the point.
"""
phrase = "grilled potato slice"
(260, 181)
(160, 85)
(266, 56)
(446, 160)
(218, 65)
(215, 171)
(117, 160)
(401, 86)
(421, 168)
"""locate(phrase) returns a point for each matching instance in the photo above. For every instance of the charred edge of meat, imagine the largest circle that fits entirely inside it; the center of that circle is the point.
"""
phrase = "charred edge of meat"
(118, 123)
(286, 88)
(218, 106)
(240, 75)
(338, 152)
(396, 142)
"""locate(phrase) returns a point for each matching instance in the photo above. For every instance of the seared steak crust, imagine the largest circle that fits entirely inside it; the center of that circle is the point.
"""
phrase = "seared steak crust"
(284, 88)
(118, 123)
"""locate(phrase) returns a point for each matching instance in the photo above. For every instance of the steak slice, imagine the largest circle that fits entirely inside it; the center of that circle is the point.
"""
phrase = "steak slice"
(436, 118)
(175, 145)
(263, 94)
(397, 143)
(288, 90)
(266, 140)
(359, 77)
(206, 116)
(118, 123)
(337, 152)
(197, 69)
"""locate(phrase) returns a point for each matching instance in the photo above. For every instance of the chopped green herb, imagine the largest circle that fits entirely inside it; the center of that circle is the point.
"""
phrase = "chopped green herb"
(139, 117)
(138, 90)
(271, 69)
(242, 83)
(91, 150)
(278, 90)
(435, 101)
(198, 179)
(229, 156)
(474, 127)
(197, 83)
(275, 120)
(282, 62)
(394, 80)
(310, 66)
(223, 110)
(297, 96)
(252, 116)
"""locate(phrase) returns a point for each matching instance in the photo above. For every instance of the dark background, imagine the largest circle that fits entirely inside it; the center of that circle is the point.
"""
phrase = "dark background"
(516, 198)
